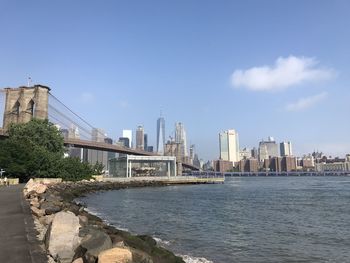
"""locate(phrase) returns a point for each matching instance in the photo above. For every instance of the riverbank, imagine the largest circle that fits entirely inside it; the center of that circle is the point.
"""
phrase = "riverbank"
(68, 233)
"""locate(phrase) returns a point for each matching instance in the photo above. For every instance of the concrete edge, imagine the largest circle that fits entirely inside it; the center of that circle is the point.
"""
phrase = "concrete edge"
(37, 253)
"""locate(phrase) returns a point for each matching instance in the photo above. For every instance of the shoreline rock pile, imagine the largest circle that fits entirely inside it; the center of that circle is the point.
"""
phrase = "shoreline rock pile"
(68, 233)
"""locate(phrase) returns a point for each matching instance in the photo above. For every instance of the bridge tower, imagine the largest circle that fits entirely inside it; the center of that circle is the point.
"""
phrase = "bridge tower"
(24, 103)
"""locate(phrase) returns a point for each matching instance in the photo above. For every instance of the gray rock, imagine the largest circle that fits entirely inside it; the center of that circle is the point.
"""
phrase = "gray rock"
(63, 237)
(94, 241)
(50, 208)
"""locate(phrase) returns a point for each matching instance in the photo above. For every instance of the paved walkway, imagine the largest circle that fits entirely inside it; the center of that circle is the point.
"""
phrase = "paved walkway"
(17, 234)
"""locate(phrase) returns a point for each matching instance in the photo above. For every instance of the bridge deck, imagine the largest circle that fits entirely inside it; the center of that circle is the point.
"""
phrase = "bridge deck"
(114, 148)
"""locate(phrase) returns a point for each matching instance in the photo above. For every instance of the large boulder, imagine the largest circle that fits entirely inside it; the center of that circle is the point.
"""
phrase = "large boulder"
(93, 242)
(32, 186)
(113, 255)
(63, 237)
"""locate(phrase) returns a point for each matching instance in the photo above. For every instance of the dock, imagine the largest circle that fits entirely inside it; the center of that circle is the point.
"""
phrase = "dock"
(169, 180)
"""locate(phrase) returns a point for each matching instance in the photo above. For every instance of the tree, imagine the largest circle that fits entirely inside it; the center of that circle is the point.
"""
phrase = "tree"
(98, 168)
(39, 133)
(36, 149)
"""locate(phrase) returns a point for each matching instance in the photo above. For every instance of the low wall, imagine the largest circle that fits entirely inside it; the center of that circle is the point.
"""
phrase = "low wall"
(11, 181)
(48, 180)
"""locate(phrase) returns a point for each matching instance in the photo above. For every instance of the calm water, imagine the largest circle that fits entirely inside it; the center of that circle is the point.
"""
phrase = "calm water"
(250, 219)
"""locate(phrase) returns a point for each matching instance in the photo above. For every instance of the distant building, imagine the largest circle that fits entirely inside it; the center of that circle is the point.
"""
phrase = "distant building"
(124, 141)
(65, 133)
(229, 146)
(347, 157)
(98, 135)
(222, 166)
(248, 165)
(192, 152)
(150, 149)
(145, 141)
(208, 166)
(333, 167)
(160, 135)
(73, 132)
(128, 134)
(254, 153)
(268, 149)
(110, 155)
(180, 138)
(283, 164)
(286, 149)
(245, 153)
(196, 161)
(96, 156)
(307, 163)
(140, 144)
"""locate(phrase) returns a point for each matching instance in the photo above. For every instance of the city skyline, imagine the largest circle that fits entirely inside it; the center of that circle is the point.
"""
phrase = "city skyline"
(265, 69)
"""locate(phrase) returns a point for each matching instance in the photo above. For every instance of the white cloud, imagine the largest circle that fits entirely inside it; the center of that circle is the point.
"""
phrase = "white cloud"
(307, 102)
(285, 73)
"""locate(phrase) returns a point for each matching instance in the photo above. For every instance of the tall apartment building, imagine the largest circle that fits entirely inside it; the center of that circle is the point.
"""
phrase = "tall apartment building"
(229, 146)
(160, 135)
(140, 139)
(286, 149)
(145, 142)
(128, 134)
(268, 149)
(180, 138)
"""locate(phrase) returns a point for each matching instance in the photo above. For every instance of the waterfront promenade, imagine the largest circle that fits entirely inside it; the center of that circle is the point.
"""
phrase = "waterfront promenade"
(18, 237)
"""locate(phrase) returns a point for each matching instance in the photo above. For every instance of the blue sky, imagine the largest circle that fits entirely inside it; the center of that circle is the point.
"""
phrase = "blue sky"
(264, 68)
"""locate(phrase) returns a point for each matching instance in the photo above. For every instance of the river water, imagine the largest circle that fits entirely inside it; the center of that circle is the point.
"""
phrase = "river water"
(247, 219)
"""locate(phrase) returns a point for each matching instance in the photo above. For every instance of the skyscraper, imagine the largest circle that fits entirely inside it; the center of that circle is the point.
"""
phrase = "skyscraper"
(128, 134)
(286, 149)
(180, 137)
(140, 143)
(229, 146)
(160, 135)
(145, 141)
(268, 149)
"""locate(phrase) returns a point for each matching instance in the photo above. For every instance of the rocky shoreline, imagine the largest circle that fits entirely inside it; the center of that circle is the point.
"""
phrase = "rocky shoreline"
(68, 233)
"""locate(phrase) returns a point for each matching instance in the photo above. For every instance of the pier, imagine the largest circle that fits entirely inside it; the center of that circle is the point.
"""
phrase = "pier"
(261, 173)
(204, 179)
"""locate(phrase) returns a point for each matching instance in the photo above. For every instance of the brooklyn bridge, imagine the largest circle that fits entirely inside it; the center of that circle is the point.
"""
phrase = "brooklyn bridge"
(24, 103)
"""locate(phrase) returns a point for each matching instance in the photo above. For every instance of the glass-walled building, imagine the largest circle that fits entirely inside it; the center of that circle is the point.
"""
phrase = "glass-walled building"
(143, 166)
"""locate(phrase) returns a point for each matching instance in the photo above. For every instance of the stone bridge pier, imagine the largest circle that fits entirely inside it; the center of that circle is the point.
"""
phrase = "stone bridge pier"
(24, 103)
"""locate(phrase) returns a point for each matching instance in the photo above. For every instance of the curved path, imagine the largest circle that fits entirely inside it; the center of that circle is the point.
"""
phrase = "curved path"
(18, 243)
